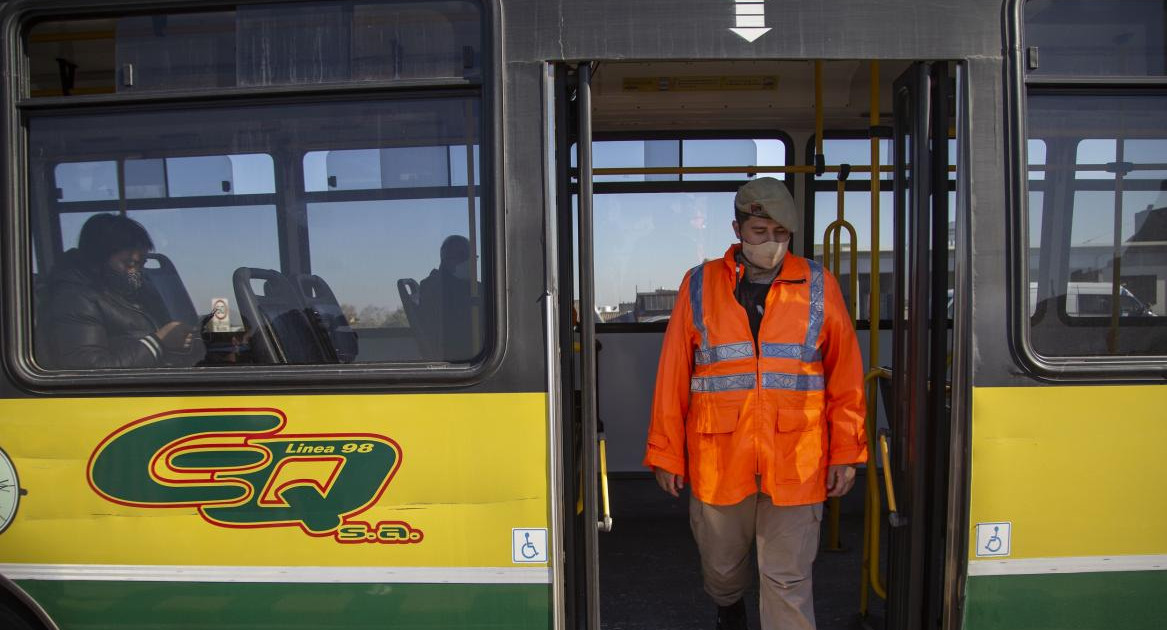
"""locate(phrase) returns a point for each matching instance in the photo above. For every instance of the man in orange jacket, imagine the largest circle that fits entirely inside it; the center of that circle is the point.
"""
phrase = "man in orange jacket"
(759, 405)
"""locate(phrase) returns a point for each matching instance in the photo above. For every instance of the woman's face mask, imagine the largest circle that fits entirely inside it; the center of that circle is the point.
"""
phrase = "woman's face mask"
(766, 255)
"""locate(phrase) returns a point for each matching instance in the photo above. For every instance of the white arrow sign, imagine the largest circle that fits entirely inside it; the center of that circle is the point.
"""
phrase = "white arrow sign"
(750, 19)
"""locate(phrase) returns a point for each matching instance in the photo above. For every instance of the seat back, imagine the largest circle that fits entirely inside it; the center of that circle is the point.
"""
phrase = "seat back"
(411, 301)
(325, 312)
(283, 331)
(163, 276)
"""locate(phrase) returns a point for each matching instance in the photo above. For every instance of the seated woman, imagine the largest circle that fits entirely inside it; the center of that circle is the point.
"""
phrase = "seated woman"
(100, 310)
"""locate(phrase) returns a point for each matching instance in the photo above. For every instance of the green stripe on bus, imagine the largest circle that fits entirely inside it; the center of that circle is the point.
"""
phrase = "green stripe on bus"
(1066, 601)
(225, 606)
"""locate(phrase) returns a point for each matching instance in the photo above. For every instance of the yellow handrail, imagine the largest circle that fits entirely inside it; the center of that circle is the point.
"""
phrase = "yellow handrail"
(869, 574)
(870, 567)
(891, 493)
(833, 231)
(605, 523)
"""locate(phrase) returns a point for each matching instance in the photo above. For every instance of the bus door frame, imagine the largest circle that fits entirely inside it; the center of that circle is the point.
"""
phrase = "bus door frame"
(920, 422)
(577, 363)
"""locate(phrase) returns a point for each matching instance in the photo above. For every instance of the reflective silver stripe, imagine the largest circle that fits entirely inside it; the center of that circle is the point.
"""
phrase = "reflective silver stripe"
(696, 283)
(727, 383)
(725, 352)
(806, 354)
(795, 382)
(814, 323)
(278, 574)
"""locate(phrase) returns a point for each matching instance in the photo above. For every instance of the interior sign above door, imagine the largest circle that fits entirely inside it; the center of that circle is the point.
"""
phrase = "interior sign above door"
(750, 19)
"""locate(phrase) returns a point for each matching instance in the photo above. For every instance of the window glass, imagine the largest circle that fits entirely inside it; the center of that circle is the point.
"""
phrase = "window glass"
(405, 167)
(302, 273)
(257, 45)
(635, 154)
(86, 181)
(856, 152)
(1098, 268)
(1114, 38)
(155, 178)
(645, 242)
(733, 152)
(674, 153)
(373, 250)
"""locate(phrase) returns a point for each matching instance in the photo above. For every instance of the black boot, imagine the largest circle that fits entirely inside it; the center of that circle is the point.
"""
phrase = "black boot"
(732, 617)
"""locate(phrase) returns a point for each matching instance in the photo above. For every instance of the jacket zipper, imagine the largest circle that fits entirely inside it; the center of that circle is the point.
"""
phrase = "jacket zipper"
(758, 365)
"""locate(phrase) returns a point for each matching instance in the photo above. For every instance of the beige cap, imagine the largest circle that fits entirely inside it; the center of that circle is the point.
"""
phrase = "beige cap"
(769, 198)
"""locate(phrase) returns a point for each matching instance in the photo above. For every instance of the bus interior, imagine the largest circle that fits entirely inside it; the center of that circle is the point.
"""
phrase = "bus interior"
(671, 142)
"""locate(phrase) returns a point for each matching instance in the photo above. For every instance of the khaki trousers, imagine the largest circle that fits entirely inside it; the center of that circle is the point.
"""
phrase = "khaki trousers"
(787, 539)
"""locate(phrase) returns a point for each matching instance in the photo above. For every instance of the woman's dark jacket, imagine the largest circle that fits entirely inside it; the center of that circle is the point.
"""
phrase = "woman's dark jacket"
(84, 324)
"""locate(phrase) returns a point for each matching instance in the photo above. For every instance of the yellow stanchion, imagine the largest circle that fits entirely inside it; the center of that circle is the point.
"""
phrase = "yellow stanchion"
(870, 570)
(831, 260)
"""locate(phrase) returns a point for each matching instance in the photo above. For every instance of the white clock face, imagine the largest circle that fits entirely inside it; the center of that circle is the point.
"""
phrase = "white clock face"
(9, 491)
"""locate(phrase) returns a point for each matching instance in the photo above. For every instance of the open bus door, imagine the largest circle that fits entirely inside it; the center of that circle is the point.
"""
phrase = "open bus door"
(581, 513)
(919, 426)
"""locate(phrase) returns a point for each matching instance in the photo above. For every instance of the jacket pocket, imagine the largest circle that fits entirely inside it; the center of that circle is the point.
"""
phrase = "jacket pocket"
(799, 411)
(716, 414)
(799, 455)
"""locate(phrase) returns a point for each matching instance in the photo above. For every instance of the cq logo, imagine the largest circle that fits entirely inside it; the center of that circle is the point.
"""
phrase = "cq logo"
(238, 469)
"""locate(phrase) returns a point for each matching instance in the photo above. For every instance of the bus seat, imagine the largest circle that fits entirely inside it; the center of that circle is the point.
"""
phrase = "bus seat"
(411, 302)
(283, 331)
(163, 276)
(324, 311)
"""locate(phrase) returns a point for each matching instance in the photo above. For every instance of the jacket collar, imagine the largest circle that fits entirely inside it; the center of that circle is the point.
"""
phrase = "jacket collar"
(794, 268)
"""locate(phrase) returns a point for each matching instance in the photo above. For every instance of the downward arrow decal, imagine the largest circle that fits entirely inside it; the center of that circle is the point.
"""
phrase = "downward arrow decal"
(750, 19)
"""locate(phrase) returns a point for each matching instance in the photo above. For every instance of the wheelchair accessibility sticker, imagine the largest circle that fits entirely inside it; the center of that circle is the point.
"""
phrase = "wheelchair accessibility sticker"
(993, 539)
(529, 545)
(239, 470)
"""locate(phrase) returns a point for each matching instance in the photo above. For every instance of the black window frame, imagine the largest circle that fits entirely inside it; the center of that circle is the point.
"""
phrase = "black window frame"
(17, 308)
(1073, 367)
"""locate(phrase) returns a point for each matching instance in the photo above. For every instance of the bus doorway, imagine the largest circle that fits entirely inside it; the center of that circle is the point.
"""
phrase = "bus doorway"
(648, 157)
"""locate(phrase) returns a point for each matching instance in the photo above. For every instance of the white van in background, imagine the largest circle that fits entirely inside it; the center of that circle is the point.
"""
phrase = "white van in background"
(1093, 299)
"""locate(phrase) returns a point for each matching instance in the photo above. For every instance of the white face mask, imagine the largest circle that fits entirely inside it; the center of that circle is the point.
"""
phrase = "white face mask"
(461, 271)
(766, 255)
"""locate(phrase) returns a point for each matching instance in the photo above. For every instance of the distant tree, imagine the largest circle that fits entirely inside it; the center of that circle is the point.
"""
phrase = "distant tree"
(350, 314)
(372, 316)
(397, 319)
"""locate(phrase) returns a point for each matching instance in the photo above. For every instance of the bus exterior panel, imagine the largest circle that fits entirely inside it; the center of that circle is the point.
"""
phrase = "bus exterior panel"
(317, 511)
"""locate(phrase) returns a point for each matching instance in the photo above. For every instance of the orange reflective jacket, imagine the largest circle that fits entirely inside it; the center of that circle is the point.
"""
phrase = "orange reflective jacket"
(727, 412)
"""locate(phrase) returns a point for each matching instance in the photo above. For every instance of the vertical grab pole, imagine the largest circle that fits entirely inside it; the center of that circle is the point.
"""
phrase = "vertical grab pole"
(870, 571)
(831, 260)
(587, 351)
(820, 162)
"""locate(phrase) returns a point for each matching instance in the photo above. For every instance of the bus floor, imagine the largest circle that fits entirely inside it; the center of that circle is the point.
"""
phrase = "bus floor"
(650, 576)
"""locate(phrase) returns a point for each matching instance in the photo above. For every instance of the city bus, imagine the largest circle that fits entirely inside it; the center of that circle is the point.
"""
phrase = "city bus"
(389, 360)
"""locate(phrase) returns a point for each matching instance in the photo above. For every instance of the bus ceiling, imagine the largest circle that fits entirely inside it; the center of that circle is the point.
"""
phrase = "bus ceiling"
(746, 94)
